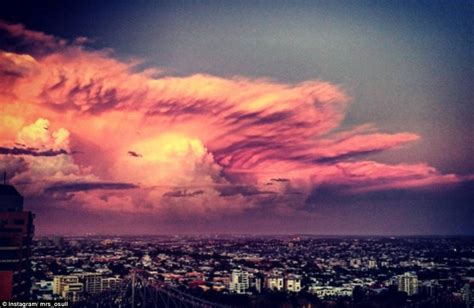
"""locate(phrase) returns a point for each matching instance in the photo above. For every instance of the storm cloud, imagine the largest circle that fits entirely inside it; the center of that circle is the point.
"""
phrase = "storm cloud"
(244, 144)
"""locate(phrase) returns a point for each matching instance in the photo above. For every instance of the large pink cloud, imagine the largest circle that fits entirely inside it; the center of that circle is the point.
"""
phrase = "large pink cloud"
(182, 146)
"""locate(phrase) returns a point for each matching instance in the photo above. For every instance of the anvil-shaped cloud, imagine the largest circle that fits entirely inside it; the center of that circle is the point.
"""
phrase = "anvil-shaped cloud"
(175, 147)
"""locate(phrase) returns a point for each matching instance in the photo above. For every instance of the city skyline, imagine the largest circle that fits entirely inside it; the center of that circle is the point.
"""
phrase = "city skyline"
(216, 118)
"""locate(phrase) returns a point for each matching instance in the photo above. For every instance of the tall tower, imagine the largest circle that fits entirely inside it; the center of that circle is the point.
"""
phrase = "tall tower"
(16, 235)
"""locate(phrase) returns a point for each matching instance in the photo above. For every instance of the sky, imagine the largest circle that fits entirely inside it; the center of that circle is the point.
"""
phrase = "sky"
(213, 117)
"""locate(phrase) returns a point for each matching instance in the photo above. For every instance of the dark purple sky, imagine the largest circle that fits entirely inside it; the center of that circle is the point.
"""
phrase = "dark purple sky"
(338, 117)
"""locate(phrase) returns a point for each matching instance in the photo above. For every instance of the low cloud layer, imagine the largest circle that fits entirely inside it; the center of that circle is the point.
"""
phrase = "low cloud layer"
(30, 151)
(86, 186)
(238, 144)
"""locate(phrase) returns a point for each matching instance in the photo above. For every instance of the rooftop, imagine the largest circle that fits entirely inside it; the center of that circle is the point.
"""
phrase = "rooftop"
(8, 190)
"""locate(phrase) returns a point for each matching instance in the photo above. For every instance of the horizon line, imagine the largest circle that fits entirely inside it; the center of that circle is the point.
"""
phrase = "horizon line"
(255, 235)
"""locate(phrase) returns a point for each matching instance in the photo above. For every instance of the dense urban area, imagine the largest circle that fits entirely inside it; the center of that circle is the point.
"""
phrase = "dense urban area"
(272, 271)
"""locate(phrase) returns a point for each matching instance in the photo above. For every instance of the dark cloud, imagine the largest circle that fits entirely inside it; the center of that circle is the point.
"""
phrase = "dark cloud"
(17, 38)
(134, 154)
(7, 73)
(345, 156)
(31, 151)
(182, 193)
(13, 165)
(244, 190)
(86, 186)
(341, 194)
(295, 193)
(280, 180)
(273, 118)
(174, 108)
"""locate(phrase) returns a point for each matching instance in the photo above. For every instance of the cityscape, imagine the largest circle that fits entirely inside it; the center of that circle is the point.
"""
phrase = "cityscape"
(242, 271)
(234, 271)
(233, 154)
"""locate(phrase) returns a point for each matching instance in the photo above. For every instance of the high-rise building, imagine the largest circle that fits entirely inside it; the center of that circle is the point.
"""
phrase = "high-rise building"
(68, 287)
(92, 282)
(61, 281)
(110, 283)
(257, 282)
(239, 281)
(372, 263)
(274, 282)
(16, 235)
(356, 263)
(95, 283)
(73, 292)
(468, 294)
(293, 283)
(408, 283)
